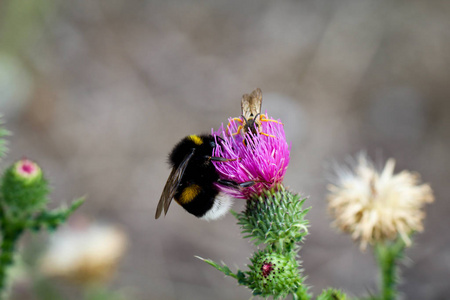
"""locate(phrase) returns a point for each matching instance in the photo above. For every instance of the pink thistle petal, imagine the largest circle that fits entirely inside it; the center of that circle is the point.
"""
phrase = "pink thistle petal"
(27, 168)
(264, 159)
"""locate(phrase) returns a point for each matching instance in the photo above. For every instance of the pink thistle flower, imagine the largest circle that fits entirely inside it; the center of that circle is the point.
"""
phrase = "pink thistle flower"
(264, 157)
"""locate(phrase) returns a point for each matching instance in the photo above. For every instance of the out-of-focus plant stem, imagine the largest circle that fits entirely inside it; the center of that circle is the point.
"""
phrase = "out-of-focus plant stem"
(8, 244)
(387, 255)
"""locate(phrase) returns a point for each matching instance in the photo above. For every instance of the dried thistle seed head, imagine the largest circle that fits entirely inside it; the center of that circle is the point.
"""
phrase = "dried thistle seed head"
(375, 206)
(84, 252)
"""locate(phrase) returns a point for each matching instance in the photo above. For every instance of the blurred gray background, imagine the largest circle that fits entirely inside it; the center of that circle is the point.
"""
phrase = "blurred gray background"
(98, 92)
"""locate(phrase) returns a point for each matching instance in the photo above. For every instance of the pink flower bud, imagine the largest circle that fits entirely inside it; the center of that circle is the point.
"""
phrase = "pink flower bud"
(27, 170)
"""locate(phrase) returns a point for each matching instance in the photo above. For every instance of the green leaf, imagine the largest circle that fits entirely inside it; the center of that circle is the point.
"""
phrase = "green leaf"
(224, 269)
(52, 219)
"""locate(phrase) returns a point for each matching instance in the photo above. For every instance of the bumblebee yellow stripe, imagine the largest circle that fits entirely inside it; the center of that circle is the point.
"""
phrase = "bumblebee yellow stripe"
(189, 193)
(196, 139)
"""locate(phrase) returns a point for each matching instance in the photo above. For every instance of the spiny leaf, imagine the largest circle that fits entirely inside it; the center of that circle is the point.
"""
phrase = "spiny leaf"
(222, 268)
(52, 219)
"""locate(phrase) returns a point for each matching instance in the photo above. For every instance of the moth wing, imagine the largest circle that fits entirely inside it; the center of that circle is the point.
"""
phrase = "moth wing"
(171, 186)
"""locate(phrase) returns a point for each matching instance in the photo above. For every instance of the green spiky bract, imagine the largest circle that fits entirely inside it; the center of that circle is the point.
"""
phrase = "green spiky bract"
(276, 219)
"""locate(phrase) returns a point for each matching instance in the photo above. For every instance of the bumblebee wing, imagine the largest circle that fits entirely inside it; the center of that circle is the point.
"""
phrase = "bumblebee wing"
(171, 186)
(251, 104)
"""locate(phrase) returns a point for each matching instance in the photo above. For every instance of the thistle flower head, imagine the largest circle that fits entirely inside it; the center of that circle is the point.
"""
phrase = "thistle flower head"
(375, 206)
(262, 157)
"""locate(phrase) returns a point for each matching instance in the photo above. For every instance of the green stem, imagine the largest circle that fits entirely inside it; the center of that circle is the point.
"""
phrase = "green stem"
(387, 256)
(10, 237)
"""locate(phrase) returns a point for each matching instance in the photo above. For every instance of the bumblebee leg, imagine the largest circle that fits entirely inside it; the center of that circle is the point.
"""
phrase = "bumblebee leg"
(222, 159)
(229, 183)
(250, 183)
(234, 184)
(247, 184)
(221, 138)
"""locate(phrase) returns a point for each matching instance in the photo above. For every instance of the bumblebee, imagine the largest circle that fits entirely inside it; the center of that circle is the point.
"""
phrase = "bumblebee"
(192, 180)
(251, 116)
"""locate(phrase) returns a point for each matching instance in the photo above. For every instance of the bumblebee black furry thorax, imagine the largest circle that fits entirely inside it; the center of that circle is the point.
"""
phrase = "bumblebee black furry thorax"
(202, 148)
(192, 180)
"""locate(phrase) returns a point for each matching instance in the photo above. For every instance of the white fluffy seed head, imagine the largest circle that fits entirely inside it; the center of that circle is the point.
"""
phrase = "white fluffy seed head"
(375, 206)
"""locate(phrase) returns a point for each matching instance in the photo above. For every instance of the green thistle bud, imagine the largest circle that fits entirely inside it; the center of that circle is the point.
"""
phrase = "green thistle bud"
(273, 274)
(275, 218)
(24, 189)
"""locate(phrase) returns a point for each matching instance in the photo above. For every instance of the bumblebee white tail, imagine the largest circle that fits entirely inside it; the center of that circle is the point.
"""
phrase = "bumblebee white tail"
(222, 204)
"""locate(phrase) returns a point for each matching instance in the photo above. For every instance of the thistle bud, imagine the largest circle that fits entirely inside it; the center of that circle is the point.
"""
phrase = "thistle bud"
(27, 171)
(273, 274)
(24, 189)
(276, 218)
